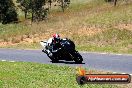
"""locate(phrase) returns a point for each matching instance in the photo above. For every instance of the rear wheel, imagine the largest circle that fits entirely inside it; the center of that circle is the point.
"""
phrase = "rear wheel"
(78, 60)
(77, 57)
(54, 60)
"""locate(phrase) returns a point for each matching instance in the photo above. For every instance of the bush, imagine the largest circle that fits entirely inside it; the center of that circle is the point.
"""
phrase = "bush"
(8, 12)
(10, 16)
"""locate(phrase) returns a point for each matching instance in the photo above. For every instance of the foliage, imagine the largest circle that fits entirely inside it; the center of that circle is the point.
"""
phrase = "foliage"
(7, 11)
(39, 8)
(25, 5)
(115, 1)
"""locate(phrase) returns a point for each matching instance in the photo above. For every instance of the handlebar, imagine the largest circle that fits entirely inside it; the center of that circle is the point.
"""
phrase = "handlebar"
(56, 50)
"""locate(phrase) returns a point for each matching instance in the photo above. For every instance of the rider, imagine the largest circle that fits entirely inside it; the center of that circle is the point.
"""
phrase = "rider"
(54, 42)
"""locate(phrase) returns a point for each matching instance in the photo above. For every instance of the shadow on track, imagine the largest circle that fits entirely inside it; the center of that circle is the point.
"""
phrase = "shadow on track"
(67, 62)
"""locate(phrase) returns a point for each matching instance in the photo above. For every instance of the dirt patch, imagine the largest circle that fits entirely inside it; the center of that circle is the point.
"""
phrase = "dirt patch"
(46, 34)
(124, 26)
(3, 44)
(89, 31)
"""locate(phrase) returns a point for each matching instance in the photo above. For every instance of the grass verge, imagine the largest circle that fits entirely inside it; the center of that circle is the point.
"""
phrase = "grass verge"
(83, 22)
(10, 31)
(34, 75)
(24, 46)
(111, 40)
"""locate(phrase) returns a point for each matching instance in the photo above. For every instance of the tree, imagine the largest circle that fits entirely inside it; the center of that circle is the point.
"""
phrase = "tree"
(7, 12)
(25, 5)
(37, 9)
(115, 2)
(64, 4)
(34, 7)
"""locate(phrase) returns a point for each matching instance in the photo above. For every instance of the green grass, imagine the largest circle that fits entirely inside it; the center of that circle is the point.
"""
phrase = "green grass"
(112, 36)
(112, 40)
(9, 31)
(111, 17)
(34, 75)
(79, 5)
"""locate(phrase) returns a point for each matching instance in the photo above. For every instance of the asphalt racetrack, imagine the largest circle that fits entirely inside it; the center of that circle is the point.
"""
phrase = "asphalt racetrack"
(100, 61)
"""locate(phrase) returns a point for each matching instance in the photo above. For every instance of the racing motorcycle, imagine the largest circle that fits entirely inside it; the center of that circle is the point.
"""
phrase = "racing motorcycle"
(65, 52)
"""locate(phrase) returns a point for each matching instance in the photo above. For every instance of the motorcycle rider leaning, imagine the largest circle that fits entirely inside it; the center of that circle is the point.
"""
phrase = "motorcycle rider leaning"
(53, 44)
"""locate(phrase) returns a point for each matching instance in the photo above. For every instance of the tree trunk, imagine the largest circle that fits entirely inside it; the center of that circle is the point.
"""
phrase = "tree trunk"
(31, 1)
(32, 15)
(25, 14)
(115, 2)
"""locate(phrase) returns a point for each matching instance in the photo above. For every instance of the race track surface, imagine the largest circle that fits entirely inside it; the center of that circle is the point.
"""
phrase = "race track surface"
(101, 61)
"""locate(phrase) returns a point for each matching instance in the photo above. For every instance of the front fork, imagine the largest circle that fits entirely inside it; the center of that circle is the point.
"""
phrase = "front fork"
(48, 52)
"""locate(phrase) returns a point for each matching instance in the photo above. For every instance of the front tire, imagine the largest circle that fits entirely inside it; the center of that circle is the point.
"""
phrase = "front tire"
(53, 58)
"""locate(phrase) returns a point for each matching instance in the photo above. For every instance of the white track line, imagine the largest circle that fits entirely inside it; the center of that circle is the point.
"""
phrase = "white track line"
(6, 60)
(3, 60)
(119, 54)
(103, 53)
(11, 61)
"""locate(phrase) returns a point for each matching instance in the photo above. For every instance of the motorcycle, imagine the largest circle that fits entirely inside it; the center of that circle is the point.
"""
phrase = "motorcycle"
(65, 52)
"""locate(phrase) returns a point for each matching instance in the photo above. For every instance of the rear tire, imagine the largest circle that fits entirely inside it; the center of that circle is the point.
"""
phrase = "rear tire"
(77, 58)
(54, 60)
(78, 61)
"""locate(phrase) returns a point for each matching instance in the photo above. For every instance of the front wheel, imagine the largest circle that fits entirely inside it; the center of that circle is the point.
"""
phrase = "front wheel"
(53, 58)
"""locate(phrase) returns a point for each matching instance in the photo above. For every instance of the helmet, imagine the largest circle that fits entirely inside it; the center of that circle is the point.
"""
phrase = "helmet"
(56, 37)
